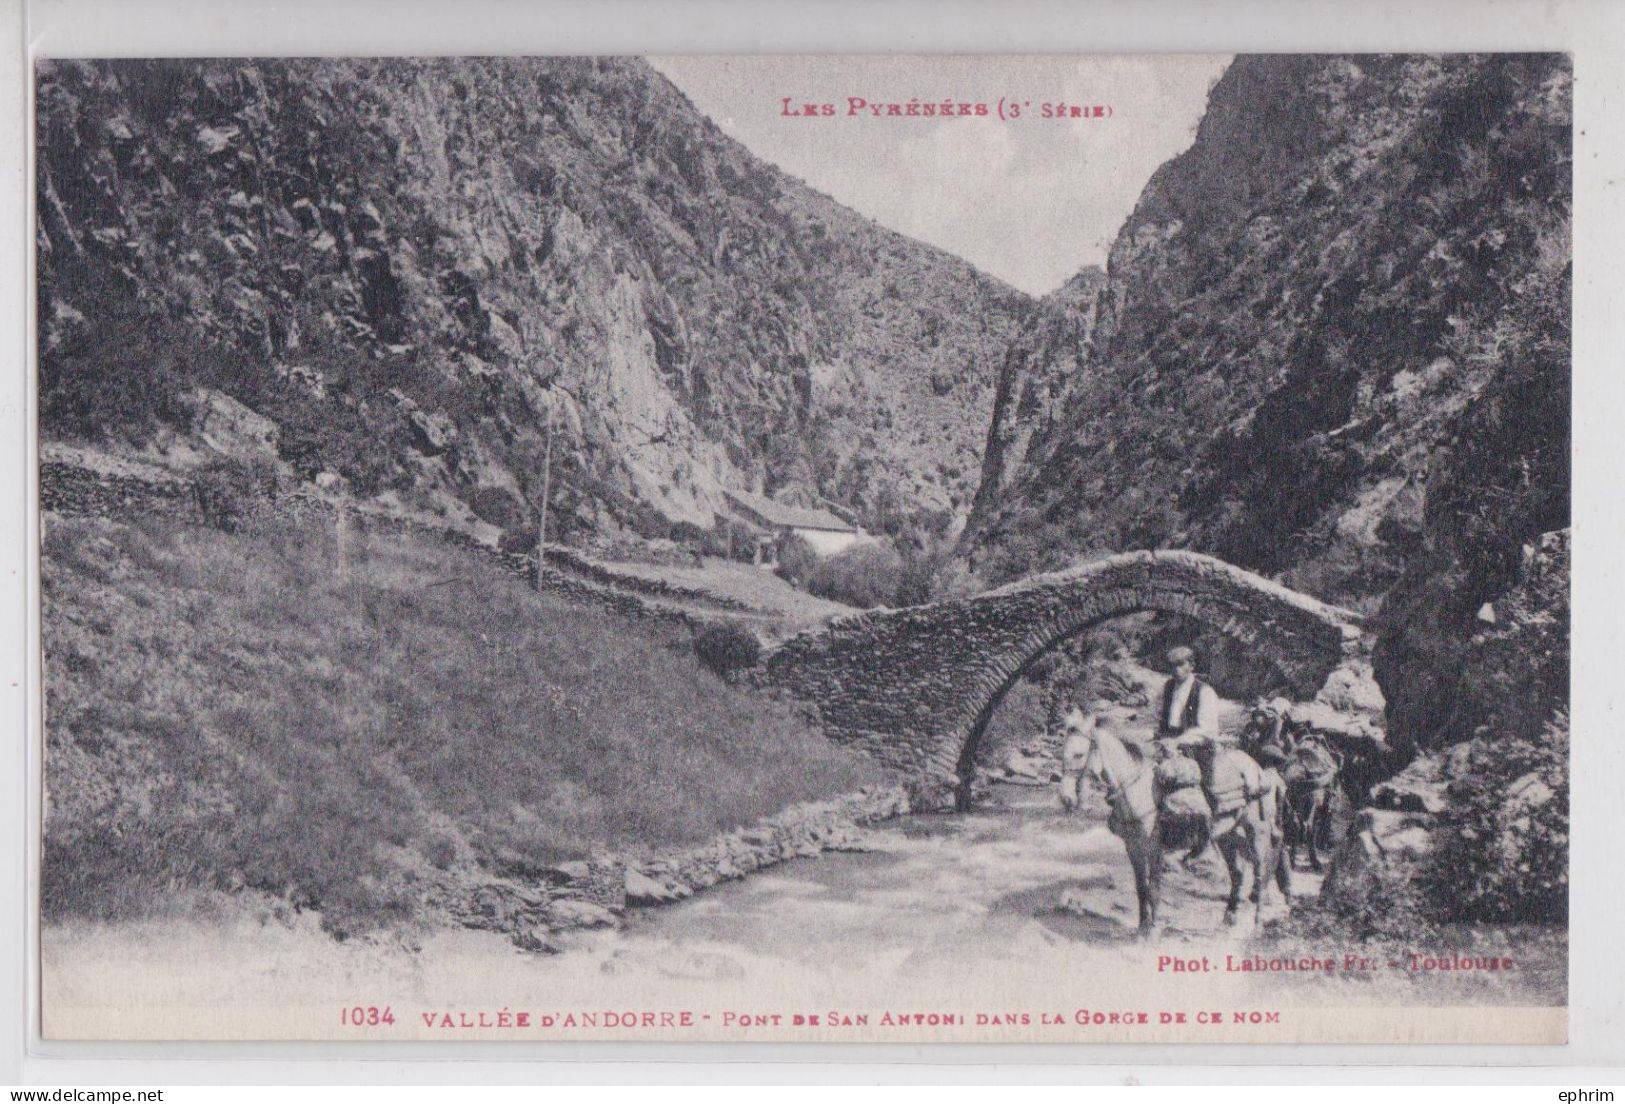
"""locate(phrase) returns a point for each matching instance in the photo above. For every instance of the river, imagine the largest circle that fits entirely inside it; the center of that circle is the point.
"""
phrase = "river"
(948, 887)
(1014, 910)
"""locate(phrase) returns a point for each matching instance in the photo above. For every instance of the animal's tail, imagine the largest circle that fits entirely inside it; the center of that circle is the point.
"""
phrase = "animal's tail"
(1280, 827)
(1283, 871)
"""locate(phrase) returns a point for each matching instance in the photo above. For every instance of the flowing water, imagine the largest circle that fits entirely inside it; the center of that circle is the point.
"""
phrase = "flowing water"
(1015, 909)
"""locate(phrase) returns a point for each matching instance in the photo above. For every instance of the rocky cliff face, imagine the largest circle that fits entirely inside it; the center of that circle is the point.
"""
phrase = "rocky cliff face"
(410, 267)
(1051, 341)
(1331, 346)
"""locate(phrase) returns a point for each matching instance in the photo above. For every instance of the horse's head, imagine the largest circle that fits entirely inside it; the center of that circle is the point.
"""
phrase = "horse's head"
(1077, 740)
(1077, 756)
(1081, 744)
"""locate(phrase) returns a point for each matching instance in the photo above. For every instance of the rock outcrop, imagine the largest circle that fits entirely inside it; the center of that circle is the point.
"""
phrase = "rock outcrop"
(1331, 346)
(410, 269)
(1347, 296)
(538, 909)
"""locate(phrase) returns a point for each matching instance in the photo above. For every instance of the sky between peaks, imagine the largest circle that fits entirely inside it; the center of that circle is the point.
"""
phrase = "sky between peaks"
(1029, 200)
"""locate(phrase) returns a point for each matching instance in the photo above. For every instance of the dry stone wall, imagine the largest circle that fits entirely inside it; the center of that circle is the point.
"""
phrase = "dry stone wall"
(75, 489)
(913, 686)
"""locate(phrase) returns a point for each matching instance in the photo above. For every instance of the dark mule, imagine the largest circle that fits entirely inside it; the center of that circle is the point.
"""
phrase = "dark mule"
(1311, 785)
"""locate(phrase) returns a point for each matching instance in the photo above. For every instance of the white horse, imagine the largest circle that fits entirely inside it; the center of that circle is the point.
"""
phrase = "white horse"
(1092, 749)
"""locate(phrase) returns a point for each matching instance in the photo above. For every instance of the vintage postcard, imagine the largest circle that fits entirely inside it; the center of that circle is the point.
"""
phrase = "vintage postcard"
(805, 548)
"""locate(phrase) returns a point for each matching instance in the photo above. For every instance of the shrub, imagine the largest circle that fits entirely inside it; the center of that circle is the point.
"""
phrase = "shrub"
(796, 560)
(1021, 717)
(497, 506)
(727, 647)
(519, 540)
(729, 539)
(1502, 845)
(121, 373)
(864, 575)
(229, 489)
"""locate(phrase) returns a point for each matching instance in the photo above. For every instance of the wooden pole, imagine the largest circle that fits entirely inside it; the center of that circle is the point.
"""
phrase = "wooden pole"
(541, 514)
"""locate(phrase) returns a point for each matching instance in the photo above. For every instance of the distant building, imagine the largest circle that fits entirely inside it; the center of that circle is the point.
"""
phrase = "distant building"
(822, 530)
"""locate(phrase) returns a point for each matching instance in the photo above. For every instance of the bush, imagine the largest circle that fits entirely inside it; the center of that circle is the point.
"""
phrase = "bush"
(228, 490)
(1502, 845)
(796, 560)
(865, 575)
(727, 647)
(120, 373)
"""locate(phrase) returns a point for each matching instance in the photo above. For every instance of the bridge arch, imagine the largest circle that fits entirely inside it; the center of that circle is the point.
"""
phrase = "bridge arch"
(913, 687)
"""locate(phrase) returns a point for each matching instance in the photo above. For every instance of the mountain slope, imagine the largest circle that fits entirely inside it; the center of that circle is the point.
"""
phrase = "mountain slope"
(410, 266)
(1332, 346)
(1048, 345)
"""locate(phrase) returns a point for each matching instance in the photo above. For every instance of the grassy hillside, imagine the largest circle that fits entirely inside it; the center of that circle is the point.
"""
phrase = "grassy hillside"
(333, 718)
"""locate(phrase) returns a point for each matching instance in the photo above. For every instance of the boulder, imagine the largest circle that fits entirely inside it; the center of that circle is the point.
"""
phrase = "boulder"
(1378, 860)
(1419, 788)
(230, 428)
(568, 912)
(643, 890)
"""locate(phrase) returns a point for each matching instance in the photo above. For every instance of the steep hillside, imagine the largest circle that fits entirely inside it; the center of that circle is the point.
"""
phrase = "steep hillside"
(1048, 346)
(1302, 310)
(1332, 346)
(410, 266)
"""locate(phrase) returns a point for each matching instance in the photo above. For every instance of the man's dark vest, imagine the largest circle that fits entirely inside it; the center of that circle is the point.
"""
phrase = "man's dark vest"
(1187, 718)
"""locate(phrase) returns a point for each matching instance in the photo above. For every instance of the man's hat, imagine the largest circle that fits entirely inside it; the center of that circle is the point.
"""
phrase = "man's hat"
(1180, 654)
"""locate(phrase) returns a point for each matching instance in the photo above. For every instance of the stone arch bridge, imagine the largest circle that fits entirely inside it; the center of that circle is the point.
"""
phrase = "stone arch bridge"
(914, 687)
